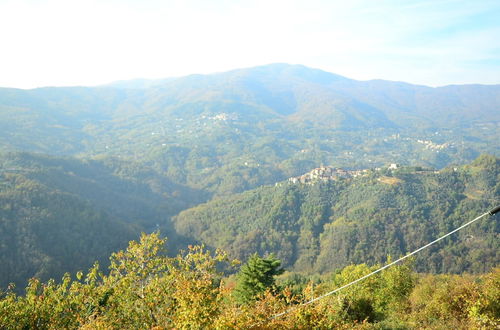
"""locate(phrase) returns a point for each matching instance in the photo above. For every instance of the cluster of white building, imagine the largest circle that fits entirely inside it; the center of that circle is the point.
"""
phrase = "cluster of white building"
(431, 145)
(326, 173)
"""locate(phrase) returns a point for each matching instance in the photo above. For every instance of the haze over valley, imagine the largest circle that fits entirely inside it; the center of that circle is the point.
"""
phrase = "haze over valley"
(136, 155)
(249, 165)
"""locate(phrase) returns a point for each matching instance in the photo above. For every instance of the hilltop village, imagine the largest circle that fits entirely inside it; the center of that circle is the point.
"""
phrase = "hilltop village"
(327, 173)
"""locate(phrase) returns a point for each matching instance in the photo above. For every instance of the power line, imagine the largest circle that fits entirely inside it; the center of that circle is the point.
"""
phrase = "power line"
(490, 213)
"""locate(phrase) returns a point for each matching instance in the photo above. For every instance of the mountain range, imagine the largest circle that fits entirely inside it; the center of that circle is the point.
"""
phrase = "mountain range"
(97, 165)
(285, 93)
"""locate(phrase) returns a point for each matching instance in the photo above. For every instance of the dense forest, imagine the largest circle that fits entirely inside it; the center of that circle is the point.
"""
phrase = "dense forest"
(213, 163)
(92, 208)
(62, 214)
(324, 226)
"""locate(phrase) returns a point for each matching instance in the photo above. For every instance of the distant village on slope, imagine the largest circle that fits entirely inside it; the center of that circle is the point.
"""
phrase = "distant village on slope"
(328, 173)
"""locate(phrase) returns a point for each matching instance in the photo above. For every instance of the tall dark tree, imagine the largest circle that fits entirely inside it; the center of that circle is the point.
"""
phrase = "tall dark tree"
(256, 276)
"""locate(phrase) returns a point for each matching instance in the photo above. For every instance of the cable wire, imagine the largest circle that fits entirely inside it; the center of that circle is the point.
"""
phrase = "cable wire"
(490, 212)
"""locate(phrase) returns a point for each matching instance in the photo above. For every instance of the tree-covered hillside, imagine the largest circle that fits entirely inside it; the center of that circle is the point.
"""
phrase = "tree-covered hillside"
(328, 225)
(234, 131)
(62, 214)
(125, 158)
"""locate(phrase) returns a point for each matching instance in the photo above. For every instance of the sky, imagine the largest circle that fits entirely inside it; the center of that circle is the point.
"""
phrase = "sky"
(92, 42)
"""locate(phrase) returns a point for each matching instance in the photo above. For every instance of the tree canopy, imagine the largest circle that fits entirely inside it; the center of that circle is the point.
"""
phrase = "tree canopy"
(146, 289)
(256, 276)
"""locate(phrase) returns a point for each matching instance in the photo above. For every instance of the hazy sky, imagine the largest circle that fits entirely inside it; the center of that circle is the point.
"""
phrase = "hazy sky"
(89, 42)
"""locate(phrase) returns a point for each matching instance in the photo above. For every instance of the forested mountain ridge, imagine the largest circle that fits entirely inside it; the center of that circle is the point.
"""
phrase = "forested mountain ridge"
(131, 155)
(328, 225)
(62, 214)
(236, 130)
(143, 193)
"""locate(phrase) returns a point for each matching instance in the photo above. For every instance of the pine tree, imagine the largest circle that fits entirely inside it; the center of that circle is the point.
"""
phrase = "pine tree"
(256, 276)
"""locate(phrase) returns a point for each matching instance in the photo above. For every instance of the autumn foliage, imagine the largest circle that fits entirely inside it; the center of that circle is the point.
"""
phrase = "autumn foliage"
(146, 289)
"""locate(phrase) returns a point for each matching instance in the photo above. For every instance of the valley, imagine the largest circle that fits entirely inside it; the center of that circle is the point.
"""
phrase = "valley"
(317, 170)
